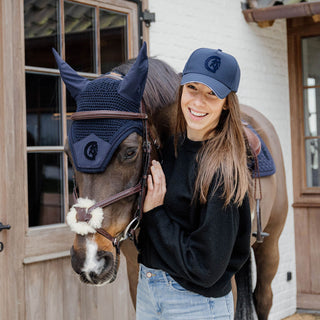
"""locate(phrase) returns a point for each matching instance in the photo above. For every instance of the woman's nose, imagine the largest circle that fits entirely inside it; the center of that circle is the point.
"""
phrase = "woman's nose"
(199, 101)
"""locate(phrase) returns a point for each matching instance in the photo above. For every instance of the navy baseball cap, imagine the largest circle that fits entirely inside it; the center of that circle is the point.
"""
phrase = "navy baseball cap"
(214, 68)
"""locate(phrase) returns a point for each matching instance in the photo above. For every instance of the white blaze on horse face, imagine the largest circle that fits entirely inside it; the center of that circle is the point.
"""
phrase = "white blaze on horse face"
(92, 264)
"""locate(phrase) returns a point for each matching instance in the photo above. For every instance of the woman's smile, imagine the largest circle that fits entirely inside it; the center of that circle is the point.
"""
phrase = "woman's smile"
(197, 114)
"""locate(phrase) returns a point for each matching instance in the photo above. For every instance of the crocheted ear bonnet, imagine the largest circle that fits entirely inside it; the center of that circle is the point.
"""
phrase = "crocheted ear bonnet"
(93, 142)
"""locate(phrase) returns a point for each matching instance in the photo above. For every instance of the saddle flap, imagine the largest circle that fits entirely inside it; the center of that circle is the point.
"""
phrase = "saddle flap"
(253, 140)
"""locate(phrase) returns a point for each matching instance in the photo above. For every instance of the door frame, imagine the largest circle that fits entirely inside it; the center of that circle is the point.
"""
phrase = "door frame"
(13, 191)
(306, 200)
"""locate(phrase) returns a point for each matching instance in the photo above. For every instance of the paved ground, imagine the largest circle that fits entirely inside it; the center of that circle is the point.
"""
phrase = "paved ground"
(303, 316)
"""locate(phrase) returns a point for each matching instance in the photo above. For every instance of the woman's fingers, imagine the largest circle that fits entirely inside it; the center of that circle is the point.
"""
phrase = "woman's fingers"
(156, 187)
(149, 182)
(158, 176)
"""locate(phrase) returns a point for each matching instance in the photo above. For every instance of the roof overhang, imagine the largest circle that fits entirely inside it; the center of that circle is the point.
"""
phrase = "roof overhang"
(266, 16)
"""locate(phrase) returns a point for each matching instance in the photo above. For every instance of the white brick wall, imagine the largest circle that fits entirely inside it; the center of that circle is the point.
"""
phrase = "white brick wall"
(184, 25)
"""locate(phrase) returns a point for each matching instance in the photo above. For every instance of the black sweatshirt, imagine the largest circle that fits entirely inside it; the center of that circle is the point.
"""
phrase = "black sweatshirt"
(200, 246)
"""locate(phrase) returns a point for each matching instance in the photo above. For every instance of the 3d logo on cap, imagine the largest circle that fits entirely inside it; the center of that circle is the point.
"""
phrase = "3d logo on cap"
(213, 63)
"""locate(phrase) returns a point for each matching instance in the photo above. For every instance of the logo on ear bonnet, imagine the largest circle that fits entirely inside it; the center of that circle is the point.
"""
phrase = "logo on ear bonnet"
(91, 150)
(213, 63)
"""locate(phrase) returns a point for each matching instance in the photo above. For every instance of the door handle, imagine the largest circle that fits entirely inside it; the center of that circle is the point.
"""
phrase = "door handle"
(3, 227)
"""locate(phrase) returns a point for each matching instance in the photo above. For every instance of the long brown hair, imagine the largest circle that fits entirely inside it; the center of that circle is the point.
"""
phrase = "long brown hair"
(223, 154)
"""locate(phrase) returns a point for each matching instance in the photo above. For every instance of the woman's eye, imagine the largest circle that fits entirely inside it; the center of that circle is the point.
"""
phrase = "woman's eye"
(192, 87)
(212, 93)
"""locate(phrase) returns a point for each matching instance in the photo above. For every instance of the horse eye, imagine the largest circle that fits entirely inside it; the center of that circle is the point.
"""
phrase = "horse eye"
(130, 153)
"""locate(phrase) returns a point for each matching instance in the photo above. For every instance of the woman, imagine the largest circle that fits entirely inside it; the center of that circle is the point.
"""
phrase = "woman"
(195, 233)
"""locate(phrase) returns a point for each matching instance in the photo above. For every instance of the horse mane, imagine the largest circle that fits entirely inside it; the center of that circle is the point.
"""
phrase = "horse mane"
(160, 94)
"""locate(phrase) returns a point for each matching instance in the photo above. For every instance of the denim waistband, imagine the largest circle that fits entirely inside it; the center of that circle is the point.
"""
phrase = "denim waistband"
(146, 272)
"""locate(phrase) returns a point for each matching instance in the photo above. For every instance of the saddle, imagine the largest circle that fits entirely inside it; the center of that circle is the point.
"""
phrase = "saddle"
(253, 139)
(265, 161)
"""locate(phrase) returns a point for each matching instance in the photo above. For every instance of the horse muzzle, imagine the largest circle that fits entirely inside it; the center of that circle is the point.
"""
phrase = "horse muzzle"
(95, 268)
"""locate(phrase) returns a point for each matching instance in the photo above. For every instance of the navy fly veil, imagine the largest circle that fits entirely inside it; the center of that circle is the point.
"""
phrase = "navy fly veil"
(93, 142)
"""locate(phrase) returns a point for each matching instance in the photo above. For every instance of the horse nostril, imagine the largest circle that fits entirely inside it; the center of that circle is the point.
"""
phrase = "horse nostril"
(108, 258)
(77, 260)
(105, 254)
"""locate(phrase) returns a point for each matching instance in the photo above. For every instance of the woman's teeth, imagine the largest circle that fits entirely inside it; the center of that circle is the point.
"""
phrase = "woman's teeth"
(197, 114)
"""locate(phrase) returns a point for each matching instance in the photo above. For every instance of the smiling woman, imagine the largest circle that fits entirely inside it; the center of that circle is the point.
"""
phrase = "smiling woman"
(198, 200)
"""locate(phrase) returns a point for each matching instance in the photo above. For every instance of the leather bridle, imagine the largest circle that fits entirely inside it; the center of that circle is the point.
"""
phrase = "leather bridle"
(85, 214)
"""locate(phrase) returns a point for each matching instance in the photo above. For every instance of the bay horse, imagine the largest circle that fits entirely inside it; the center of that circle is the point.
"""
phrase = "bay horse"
(95, 257)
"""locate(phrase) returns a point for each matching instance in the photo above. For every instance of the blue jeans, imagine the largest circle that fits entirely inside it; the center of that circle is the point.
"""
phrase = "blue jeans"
(159, 296)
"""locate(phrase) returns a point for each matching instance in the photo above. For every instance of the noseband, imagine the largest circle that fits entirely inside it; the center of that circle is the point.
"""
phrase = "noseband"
(83, 214)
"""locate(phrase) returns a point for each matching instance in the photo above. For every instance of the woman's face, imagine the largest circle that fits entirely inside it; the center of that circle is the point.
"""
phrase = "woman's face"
(201, 109)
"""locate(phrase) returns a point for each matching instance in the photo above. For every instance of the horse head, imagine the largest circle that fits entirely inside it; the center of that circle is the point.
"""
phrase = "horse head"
(108, 145)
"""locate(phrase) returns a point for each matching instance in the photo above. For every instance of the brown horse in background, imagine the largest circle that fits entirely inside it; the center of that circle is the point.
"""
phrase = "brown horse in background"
(159, 98)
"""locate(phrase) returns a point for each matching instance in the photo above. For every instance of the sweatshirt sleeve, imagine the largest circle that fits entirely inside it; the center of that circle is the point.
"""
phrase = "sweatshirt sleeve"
(203, 255)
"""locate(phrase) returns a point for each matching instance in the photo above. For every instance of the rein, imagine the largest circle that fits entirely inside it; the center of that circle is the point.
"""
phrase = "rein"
(85, 214)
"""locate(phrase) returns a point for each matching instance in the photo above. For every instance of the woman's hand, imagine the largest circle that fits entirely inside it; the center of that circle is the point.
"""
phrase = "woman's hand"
(156, 187)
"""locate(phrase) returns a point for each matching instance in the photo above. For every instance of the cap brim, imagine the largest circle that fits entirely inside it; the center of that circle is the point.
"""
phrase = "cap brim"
(217, 87)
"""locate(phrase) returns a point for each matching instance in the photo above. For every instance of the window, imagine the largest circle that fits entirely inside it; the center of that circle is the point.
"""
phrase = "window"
(92, 39)
(304, 85)
(311, 104)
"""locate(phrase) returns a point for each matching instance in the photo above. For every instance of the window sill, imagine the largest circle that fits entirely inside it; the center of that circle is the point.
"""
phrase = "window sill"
(46, 257)
(48, 240)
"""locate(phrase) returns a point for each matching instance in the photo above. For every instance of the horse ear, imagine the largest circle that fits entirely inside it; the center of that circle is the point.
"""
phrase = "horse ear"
(74, 83)
(132, 85)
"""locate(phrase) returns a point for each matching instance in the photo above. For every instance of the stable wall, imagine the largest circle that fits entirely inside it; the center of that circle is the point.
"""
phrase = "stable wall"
(184, 25)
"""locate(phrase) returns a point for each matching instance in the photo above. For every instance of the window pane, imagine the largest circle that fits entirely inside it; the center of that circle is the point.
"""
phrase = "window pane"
(113, 39)
(311, 59)
(312, 111)
(80, 36)
(312, 162)
(43, 111)
(40, 32)
(45, 188)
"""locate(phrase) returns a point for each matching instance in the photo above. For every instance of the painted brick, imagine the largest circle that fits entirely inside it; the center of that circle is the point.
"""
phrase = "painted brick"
(184, 25)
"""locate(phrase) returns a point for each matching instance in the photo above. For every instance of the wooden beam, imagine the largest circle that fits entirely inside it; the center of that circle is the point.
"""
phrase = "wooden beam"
(265, 15)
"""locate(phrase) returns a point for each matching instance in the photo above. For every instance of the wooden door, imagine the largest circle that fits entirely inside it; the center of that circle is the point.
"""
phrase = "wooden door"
(304, 78)
(12, 163)
(36, 279)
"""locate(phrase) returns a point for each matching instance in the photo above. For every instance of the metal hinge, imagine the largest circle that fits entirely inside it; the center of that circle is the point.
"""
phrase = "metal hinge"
(3, 227)
(147, 17)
